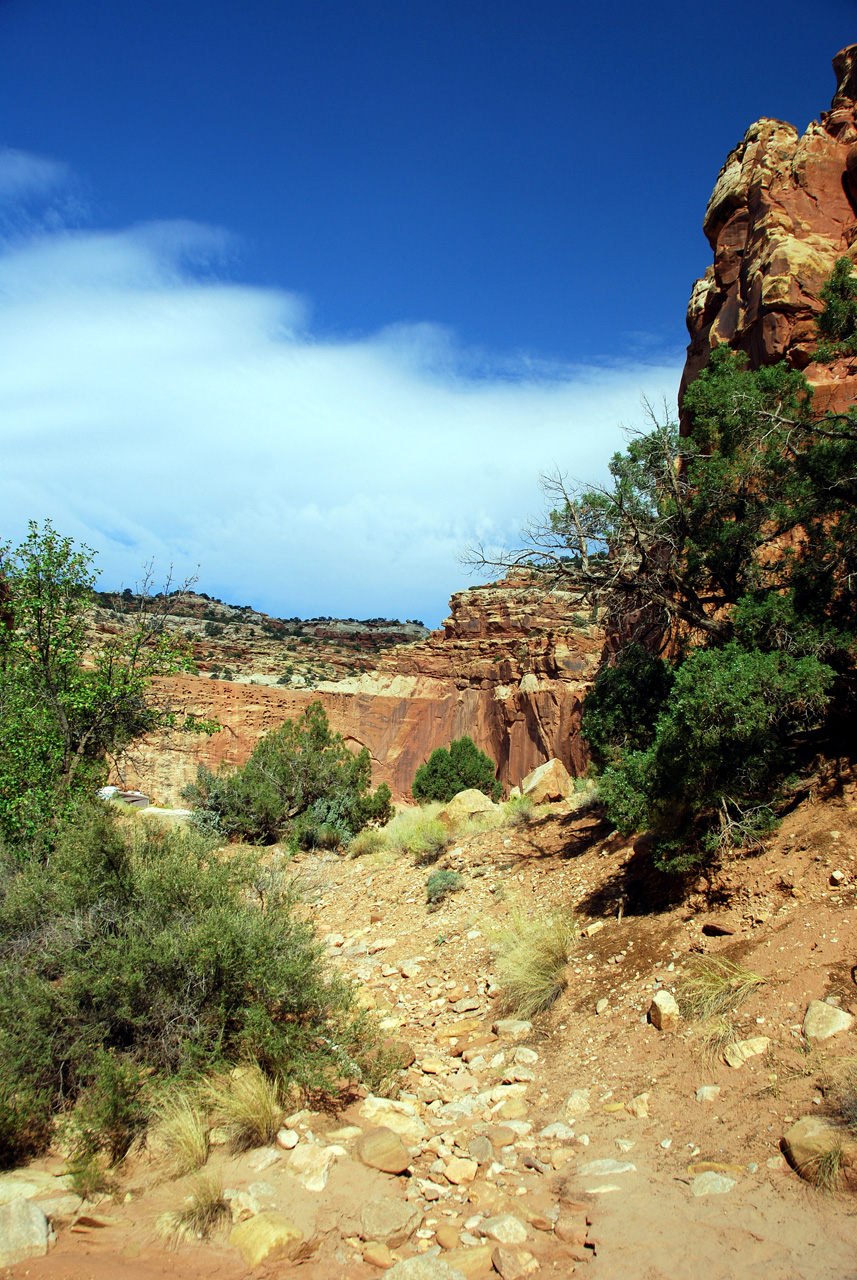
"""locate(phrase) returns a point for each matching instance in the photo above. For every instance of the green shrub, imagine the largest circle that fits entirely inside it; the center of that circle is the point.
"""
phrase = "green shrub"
(138, 955)
(518, 811)
(622, 707)
(300, 781)
(837, 324)
(418, 833)
(440, 883)
(462, 767)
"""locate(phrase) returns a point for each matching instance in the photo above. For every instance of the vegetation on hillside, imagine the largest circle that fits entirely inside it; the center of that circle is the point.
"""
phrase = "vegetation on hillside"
(65, 704)
(301, 784)
(135, 960)
(837, 324)
(730, 580)
(460, 767)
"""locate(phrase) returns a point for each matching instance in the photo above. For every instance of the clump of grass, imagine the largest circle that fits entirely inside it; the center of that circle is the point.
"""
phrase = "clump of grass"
(247, 1104)
(368, 841)
(712, 985)
(204, 1209)
(825, 1170)
(532, 955)
(418, 833)
(179, 1135)
(715, 1039)
(840, 1087)
(517, 811)
(440, 883)
(87, 1176)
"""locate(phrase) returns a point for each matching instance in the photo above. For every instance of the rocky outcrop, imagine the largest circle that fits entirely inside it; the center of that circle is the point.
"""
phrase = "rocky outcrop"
(784, 208)
(509, 668)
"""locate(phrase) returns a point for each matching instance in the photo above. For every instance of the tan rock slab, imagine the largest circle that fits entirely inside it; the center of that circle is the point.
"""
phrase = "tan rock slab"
(448, 1237)
(389, 1221)
(470, 1262)
(513, 1264)
(737, 1054)
(465, 804)
(266, 1237)
(664, 1011)
(812, 1137)
(24, 1232)
(505, 1228)
(376, 1254)
(460, 1171)
(381, 1148)
(549, 781)
(823, 1020)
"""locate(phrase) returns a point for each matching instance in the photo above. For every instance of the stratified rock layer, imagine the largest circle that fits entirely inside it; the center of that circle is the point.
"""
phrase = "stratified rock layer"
(509, 669)
(784, 208)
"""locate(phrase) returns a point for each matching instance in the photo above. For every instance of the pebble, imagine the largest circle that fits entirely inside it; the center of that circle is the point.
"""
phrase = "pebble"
(602, 1005)
(664, 1012)
(708, 1092)
(824, 1020)
(577, 1103)
(604, 1168)
(711, 1184)
(505, 1228)
(460, 1170)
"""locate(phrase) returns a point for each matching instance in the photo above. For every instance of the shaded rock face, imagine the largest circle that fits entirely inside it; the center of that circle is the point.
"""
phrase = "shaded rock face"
(509, 668)
(783, 209)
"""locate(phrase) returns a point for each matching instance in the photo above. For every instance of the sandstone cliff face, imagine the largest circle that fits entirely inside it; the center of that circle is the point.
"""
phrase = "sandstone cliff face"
(509, 668)
(784, 208)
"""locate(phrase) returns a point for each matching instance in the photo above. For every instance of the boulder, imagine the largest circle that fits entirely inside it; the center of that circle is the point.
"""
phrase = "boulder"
(550, 781)
(473, 1261)
(388, 1221)
(401, 1117)
(382, 1149)
(663, 1011)
(465, 805)
(812, 1137)
(311, 1165)
(460, 1171)
(24, 1232)
(823, 1020)
(513, 1264)
(505, 1228)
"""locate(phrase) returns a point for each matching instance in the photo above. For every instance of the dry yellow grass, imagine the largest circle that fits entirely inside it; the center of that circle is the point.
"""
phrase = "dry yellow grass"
(532, 958)
(203, 1210)
(247, 1103)
(179, 1135)
(712, 985)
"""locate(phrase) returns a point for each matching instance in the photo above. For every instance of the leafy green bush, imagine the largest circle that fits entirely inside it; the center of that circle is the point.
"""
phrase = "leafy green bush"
(137, 956)
(461, 767)
(440, 883)
(622, 707)
(301, 782)
(837, 324)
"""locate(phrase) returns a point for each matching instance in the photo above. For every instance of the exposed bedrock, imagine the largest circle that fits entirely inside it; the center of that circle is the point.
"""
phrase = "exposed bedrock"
(783, 209)
(509, 668)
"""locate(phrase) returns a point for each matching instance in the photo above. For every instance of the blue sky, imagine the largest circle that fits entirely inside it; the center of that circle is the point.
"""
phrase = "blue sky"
(309, 293)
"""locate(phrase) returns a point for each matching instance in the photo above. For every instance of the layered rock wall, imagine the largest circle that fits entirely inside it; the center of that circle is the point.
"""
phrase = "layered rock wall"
(509, 668)
(784, 208)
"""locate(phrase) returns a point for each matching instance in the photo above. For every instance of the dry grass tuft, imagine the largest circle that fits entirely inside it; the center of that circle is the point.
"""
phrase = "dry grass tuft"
(204, 1209)
(179, 1135)
(532, 955)
(714, 1039)
(518, 811)
(825, 1171)
(712, 985)
(247, 1104)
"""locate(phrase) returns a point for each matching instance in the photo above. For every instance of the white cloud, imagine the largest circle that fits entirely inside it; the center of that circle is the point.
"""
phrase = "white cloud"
(25, 176)
(151, 410)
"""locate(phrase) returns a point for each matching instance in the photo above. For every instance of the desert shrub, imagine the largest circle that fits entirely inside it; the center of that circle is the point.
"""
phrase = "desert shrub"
(247, 1103)
(518, 811)
(622, 707)
(139, 952)
(368, 841)
(532, 956)
(712, 986)
(300, 778)
(417, 832)
(440, 883)
(201, 1213)
(459, 768)
(178, 1133)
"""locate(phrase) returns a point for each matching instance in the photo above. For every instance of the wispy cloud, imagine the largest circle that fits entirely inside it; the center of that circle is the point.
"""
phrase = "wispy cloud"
(152, 409)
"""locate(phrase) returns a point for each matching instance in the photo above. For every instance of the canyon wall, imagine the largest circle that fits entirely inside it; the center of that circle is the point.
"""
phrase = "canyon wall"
(509, 668)
(783, 209)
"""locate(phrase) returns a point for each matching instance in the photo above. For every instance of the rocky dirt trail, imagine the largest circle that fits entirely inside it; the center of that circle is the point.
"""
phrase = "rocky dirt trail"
(587, 1142)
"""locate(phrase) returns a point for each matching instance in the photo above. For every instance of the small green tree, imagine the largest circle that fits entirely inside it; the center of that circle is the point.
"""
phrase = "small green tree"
(68, 699)
(461, 767)
(837, 324)
(299, 778)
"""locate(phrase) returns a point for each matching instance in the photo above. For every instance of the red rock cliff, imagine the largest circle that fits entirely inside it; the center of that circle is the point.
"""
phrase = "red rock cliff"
(784, 208)
(509, 669)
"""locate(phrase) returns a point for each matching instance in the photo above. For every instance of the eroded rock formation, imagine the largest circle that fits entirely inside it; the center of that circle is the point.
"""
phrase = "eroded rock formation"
(509, 668)
(784, 208)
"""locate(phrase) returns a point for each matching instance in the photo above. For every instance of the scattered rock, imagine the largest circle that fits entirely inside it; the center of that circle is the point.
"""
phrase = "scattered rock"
(481, 1150)
(711, 1184)
(460, 1170)
(265, 1237)
(708, 1092)
(382, 1149)
(264, 1158)
(448, 1237)
(24, 1232)
(505, 1228)
(512, 1028)
(311, 1165)
(663, 1011)
(401, 1117)
(737, 1054)
(376, 1254)
(602, 1005)
(577, 1103)
(638, 1106)
(242, 1205)
(471, 1262)
(287, 1139)
(388, 1221)
(824, 1020)
(513, 1264)
(424, 1269)
(605, 1168)
(381, 944)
